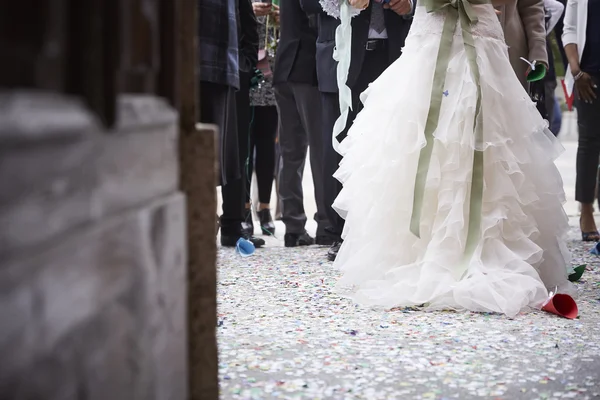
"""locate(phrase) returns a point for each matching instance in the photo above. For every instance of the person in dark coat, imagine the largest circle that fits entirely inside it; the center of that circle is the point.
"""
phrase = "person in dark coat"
(299, 106)
(378, 35)
(218, 52)
(228, 48)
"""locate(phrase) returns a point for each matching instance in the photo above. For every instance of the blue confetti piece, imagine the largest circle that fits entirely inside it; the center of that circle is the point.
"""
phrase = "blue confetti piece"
(445, 93)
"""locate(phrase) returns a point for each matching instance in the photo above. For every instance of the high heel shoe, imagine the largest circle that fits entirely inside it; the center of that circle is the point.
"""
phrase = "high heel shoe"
(266, 222)
(591, 236)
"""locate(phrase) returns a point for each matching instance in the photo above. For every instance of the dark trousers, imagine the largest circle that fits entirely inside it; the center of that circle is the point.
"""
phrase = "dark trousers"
(331, 160)
(375, 62)
(217, 106)
(588, 150)
(550, 100)
(299, 107)
(234, 192)
(261, 157)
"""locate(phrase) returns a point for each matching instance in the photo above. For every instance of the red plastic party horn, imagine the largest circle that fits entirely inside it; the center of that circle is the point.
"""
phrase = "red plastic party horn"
(562, 305)
(569, 99)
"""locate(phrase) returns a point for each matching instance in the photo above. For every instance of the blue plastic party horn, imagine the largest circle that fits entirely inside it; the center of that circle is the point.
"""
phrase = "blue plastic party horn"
(245, 247)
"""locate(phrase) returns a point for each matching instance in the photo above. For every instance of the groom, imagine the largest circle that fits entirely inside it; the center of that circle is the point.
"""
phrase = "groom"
(378, 35)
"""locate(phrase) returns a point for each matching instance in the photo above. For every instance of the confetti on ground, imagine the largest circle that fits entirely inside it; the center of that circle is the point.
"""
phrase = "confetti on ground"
(283, 334)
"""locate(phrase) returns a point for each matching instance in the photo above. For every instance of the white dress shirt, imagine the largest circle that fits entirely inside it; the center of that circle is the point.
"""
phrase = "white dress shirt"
(574, 32)
(373, 34)
(556, 9)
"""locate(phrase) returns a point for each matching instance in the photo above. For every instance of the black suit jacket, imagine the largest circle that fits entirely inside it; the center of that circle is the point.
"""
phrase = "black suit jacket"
(248, 36)
(397, 30)
(295, 59)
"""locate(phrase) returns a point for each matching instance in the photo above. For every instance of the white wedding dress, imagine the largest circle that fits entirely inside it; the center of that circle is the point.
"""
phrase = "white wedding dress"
(521, 254)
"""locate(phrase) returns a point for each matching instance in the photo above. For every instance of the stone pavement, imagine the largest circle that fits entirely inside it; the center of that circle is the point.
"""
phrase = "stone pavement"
(283, 334)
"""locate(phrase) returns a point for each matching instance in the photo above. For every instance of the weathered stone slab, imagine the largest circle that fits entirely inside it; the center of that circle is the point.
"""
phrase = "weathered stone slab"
(37, 117)
(47, 145)
(71, 177)
(138, 160)
(100, 313)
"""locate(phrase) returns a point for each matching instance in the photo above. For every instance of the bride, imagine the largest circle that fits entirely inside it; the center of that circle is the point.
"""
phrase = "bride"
(451, 196)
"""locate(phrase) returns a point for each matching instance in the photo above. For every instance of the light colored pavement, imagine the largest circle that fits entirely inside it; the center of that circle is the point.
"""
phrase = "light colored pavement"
(284, 333)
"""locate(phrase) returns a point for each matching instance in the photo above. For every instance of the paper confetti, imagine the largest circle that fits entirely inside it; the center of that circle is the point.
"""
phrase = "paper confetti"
(283, 333)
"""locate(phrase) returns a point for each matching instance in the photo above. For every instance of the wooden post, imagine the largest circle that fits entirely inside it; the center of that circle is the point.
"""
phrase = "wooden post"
(170, 52)
(33, 44)
(94, 55)
(198, 181)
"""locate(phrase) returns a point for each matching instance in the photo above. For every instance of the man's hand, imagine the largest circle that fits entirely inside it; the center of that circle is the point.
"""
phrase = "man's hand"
(359, 4)
(261, 9)
(537, 63)
(400, 7)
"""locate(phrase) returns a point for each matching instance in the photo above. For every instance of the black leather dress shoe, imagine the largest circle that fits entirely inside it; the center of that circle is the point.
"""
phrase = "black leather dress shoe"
(298, 239)
(333, 250)
(231, 240)
(266, 222)
(324, 240)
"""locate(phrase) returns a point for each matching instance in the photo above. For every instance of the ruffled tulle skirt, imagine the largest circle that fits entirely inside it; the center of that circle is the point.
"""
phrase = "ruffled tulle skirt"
(521, 253)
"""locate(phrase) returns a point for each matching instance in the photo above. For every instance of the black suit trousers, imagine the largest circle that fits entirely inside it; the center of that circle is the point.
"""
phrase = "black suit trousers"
(375, 62)
(234, 192)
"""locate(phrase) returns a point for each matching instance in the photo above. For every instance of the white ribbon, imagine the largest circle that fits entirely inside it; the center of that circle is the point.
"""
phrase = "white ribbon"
(342, 54)
(531, 63)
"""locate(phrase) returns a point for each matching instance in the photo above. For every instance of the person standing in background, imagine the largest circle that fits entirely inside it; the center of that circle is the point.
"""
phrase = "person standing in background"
(328, 88)
(523, 22)
(218, 54)
(378, 35)
(299, 105)
(248, 53)
(220, 28)
(558, 29)
(581, 37)
(554, 10)
(264, 119)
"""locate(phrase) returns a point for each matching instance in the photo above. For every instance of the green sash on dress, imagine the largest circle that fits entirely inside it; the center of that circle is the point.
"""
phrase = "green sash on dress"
(456, 11)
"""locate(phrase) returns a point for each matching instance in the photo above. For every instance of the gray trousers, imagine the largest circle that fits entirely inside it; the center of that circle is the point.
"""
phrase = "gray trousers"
(299, 107)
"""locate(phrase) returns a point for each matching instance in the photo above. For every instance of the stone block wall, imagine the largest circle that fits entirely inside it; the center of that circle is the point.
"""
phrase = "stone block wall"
(92, 252)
